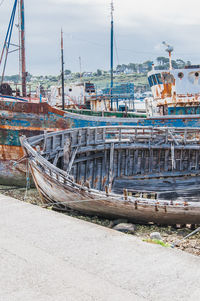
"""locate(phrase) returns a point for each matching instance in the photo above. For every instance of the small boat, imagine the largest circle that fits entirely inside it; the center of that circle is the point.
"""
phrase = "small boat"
(120, 172)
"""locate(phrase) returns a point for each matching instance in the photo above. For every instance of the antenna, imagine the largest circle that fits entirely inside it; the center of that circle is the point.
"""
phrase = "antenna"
(169, 50)
(112, 9)
(80, 65)
(22, 47)
(62, 72)
(111, 54)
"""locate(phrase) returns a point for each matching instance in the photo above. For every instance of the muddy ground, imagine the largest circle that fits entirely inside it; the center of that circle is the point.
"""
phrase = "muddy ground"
(169, 234)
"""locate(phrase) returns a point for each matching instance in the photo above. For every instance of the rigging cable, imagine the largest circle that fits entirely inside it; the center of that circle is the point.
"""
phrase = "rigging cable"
(2, 1)
(116, 50)
(8, 39)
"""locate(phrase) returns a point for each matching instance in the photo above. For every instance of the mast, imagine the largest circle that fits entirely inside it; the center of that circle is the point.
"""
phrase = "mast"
(111, 55)
(22, 47)
(62, 72)
(80, 65)
(169, 50)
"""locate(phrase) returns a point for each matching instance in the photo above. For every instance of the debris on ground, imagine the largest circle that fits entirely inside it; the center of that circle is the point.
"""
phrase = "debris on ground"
(125, 227)
(156, 235)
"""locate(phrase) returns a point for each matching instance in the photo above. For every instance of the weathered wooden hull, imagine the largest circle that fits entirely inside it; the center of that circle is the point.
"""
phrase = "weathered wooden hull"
(30, 119)
(85, 182)
(137, 210)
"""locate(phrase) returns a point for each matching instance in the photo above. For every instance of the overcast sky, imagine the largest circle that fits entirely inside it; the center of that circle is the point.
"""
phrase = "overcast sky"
(140, 27)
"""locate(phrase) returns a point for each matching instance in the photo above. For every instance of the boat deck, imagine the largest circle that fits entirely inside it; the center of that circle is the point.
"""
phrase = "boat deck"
(50, 256)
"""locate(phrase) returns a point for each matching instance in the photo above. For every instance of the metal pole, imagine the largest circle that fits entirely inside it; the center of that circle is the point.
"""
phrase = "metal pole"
(111, 56)
(170, 60)
(80, 65)
(7, 40)
(62, 72)
(22, 47)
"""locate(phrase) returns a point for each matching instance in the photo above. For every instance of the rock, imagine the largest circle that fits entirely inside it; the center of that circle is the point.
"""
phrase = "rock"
(126, 228)
(155, 235)
(118, 221)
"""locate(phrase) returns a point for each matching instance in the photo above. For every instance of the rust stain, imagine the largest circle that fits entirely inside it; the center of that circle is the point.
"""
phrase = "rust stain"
(8, 152)
(167, 91)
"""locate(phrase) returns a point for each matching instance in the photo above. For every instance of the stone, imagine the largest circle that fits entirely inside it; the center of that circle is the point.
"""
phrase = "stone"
(156, 235)
(118, 221)
(126, 228)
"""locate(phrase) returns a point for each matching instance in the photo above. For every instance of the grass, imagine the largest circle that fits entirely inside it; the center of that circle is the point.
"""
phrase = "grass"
(157, 242)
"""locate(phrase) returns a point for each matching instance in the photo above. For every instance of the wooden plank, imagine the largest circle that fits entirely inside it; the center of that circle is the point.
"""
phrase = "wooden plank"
(166, 160)
(104, 170)
(79, 137)
(89, 157)
(135, 161)
(93, 172)
(45, 141)
(88, 137)
(55, 161)
(150, 160)
(66, 153)
(119, 163)
(112, 146)
(181, 160)
(101, 173)
(104, 134)
(126, 161)
(197, 160)
(142, 162)
(95, 135)
(72, 160)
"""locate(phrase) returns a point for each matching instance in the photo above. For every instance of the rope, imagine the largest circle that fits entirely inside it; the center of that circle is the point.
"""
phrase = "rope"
(27, 180)
(2, 2)
(66, 203)
(116, 50)
(20, 160)
(172, 157)
(187, 236)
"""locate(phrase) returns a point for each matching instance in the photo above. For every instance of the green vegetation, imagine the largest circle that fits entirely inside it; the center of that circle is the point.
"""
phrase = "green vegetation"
(132, 72)
(157, 242)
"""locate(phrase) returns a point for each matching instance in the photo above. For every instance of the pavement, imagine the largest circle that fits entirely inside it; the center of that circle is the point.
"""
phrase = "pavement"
(45, 255)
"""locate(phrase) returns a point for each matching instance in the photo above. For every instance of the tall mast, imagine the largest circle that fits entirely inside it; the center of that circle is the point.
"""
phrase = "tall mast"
(22, 47)
(62, 72)
(111, 55)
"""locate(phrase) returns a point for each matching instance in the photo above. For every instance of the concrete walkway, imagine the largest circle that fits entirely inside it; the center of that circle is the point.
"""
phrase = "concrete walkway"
(48, 256)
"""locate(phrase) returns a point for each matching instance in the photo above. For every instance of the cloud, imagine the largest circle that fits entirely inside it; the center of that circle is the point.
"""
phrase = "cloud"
(140, 26)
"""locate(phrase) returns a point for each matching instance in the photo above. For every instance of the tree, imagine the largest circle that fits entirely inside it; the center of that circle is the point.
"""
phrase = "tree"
(119, 67)
(99, 72)
(67, 72)
(175, 64)
(132, 66)
(180, 63)
(148, 65)
(162, 60)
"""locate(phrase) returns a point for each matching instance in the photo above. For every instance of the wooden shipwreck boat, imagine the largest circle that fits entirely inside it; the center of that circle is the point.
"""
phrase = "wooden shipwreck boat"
(97, 171)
